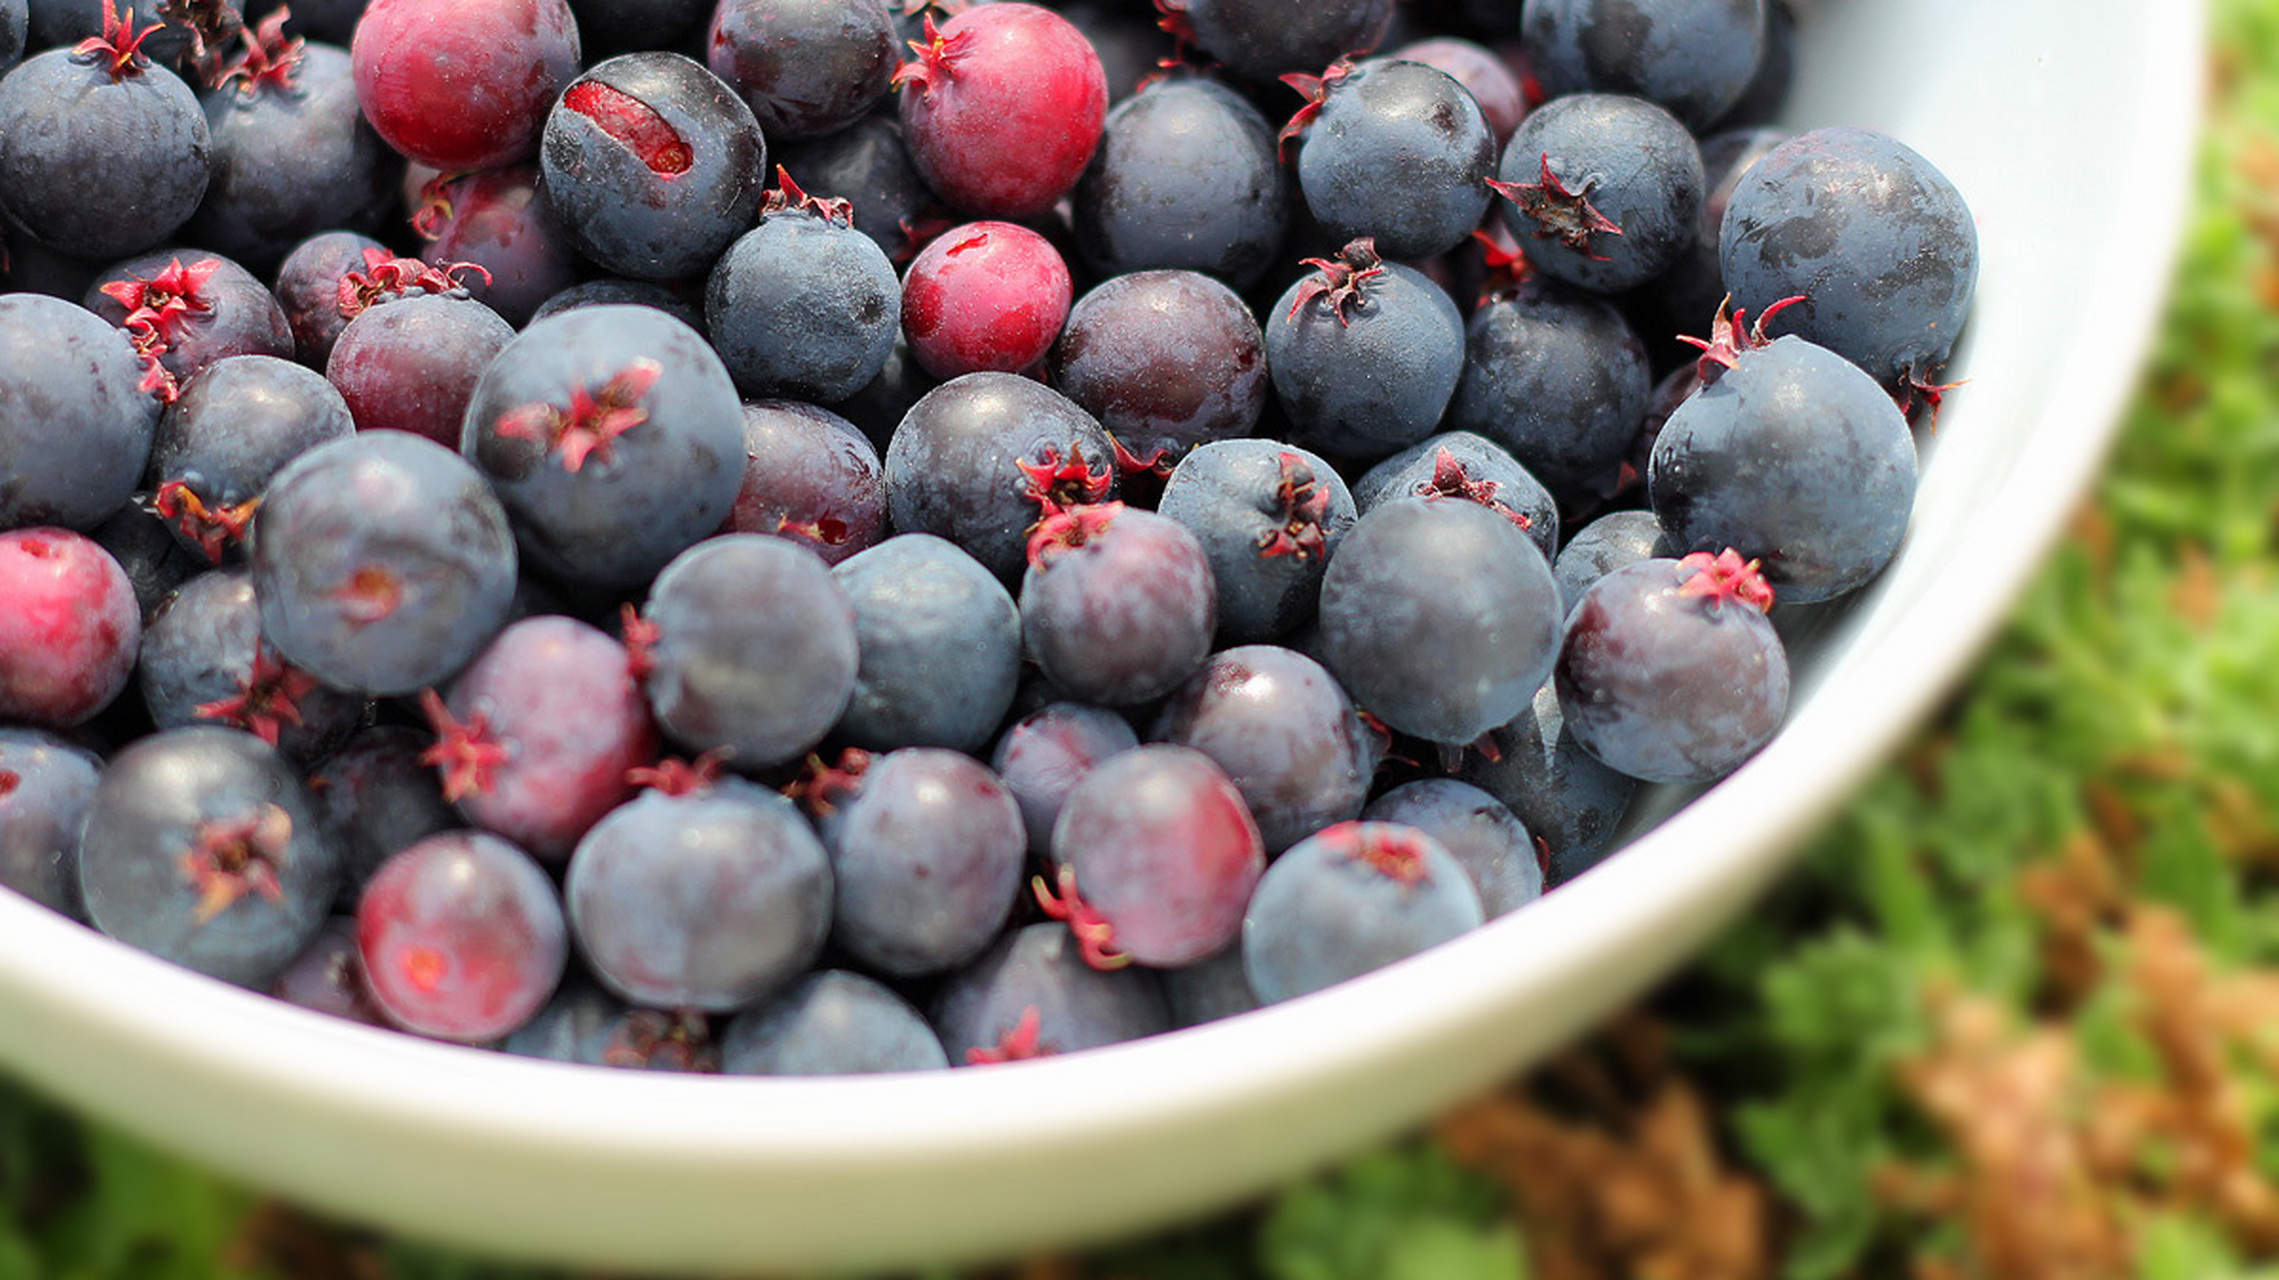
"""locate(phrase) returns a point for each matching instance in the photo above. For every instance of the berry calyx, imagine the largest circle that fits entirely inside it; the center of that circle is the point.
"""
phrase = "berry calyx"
(676, 777)
(371, 594)
(466, 752)
(639, 635)
(1340, 279)
(435, 208)
(267, 699)
(1095, 937)
(1056, 485)
(1726, 576)
(659, 1041)
(9, 781)
(164, 303)
(1728, 341)
(271, 58)
(1916, 391)
(1064, 531)
(119, 49)
(1390, 853)
(787, 195)
(1505, 264)
(1017, 1045)
(938, 56)
(212, 24)
(1172, 20)
(1558, 211)
(386, 278)
(1158, 463)
(822, 786)
(229, 858)
(1304, 503)
(1450, 480)
(213, 529)
(593, 420)
(1314, 89)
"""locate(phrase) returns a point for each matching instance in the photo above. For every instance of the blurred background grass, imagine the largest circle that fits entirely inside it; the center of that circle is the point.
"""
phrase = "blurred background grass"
(2016, 1018)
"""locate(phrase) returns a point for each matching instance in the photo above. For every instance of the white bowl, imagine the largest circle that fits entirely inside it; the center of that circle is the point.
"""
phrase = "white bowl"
(2069, 126)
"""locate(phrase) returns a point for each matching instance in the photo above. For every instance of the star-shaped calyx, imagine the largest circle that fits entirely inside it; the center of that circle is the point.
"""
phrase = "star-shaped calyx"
(271, 59)
(386, 278)
(1389, 853)
(594, 420)
(165, 302)
(1302, 502)
(1343, 279)
(938, 56)
(1450, 480)
(677, 777)
(229, 858)
(1559, 212)
(1728, 340)
(787, 196)
(654, 1040)
(371, 593)
(1022, 1042)
(1314, 89)
(1726, 577)
(214, 530)
(119, 49)
(823, 785)
(267, 699)
(1058, 481)
(1064, 531)
(465, 751)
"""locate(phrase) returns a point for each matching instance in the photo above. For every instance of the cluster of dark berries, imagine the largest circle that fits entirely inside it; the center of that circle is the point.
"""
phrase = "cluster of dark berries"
(796, 536)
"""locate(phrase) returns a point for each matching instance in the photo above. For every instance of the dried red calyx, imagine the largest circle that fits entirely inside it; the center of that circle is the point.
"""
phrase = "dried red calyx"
(1558, 212)
(1158, 462)
(1450, 480)
(1390, 853)
(469, 756)
(371, 594)
(271, 58)
(9, 781)
(164, 303)
(1304, 503)
(1726, 576)
(1021, 1043)
(1504, 264)
(1171, 18)
(822, 786)
(231, 857)
(1058, 482)
(677, 777)
(213, 529)
(1342, 279)
(788, 196)
(150, 347)
(653, 1040)
(639, 635)
(592, 422)
(119, 49)
(1064, 531)
(1095, 937)
(1916, 391)
(1314, 89)
(938, 56)
(1728, 340)
(435, 208)
(212, 24)
(267, 699)
(386, 278)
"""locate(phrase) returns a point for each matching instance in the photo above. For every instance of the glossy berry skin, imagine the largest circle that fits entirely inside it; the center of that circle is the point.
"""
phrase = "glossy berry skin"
(234, 427)
(1284, 732)
(458, 85)
(1166, 360)
(561, 724)
(1794, 457)
(202, 847)
(803, 306)
(614, 439)
(955, 466)
(984, 296)
(1560, 381)
(1004, 113)
(307, 289)
(411, 364)
(1185, 179)
(809, 476)
(1440, 617)
(940, 640)
(462, 937)
(1269, 516)
(1401, 153)
(1604, 545)
(97, 165)
(981, 1008)
(1126, 615)
(1043, 755)
(1631, 161)
(71, 628)
(289, 161)
(926, 858)
(653, 165)
(75, 429)
(379, 797)
(1348, 900)
(1692, 59)
(1375, 381)
(709, 901)
(203, 662)
(866, 165)
(1493, 846)
(835, 1022)
(1877, 241)
(1162, 849)
(1665, 686)
(230, 314)
(755, 649)
(503, 221)
(1559, 791)
(806, 67)
(1460, 466)
(383, 563)
(1263, 39)
(45, 786)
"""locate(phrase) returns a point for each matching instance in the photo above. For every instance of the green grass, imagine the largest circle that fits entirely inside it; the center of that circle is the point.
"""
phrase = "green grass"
(2132, 704)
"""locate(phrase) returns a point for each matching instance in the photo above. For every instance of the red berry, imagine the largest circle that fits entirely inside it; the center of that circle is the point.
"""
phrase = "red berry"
(70, 631)
(463, 84)
(1002, 108)
(988, 295)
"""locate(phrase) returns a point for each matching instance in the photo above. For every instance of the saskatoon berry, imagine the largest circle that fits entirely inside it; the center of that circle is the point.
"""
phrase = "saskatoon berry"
(462, 937)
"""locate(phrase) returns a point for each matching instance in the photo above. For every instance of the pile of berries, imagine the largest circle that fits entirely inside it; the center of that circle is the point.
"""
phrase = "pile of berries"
(798, 536)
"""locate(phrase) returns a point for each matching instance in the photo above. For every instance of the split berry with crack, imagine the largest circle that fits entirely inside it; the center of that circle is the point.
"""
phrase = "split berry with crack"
(463, 84)
(1393, 150)
(1033, 996)
(1285, 733)
(1492, 844)
(45, 786)
(809, 475)
(1603, 191)
(203, 661)
(1694, 60)
(835, 1022)
(1118, 605)
(75, 428)
(71, 629)
(1349, 900)
(803, 305)
(1166, 360)
(1186, 178)
(1269, 516)
(984, 296)
(1044, 754)
(232, 429)
(940, 644)
(462, 937)
(1002, 108)
(1364, 354)
(1460, 466)
(202, 847)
